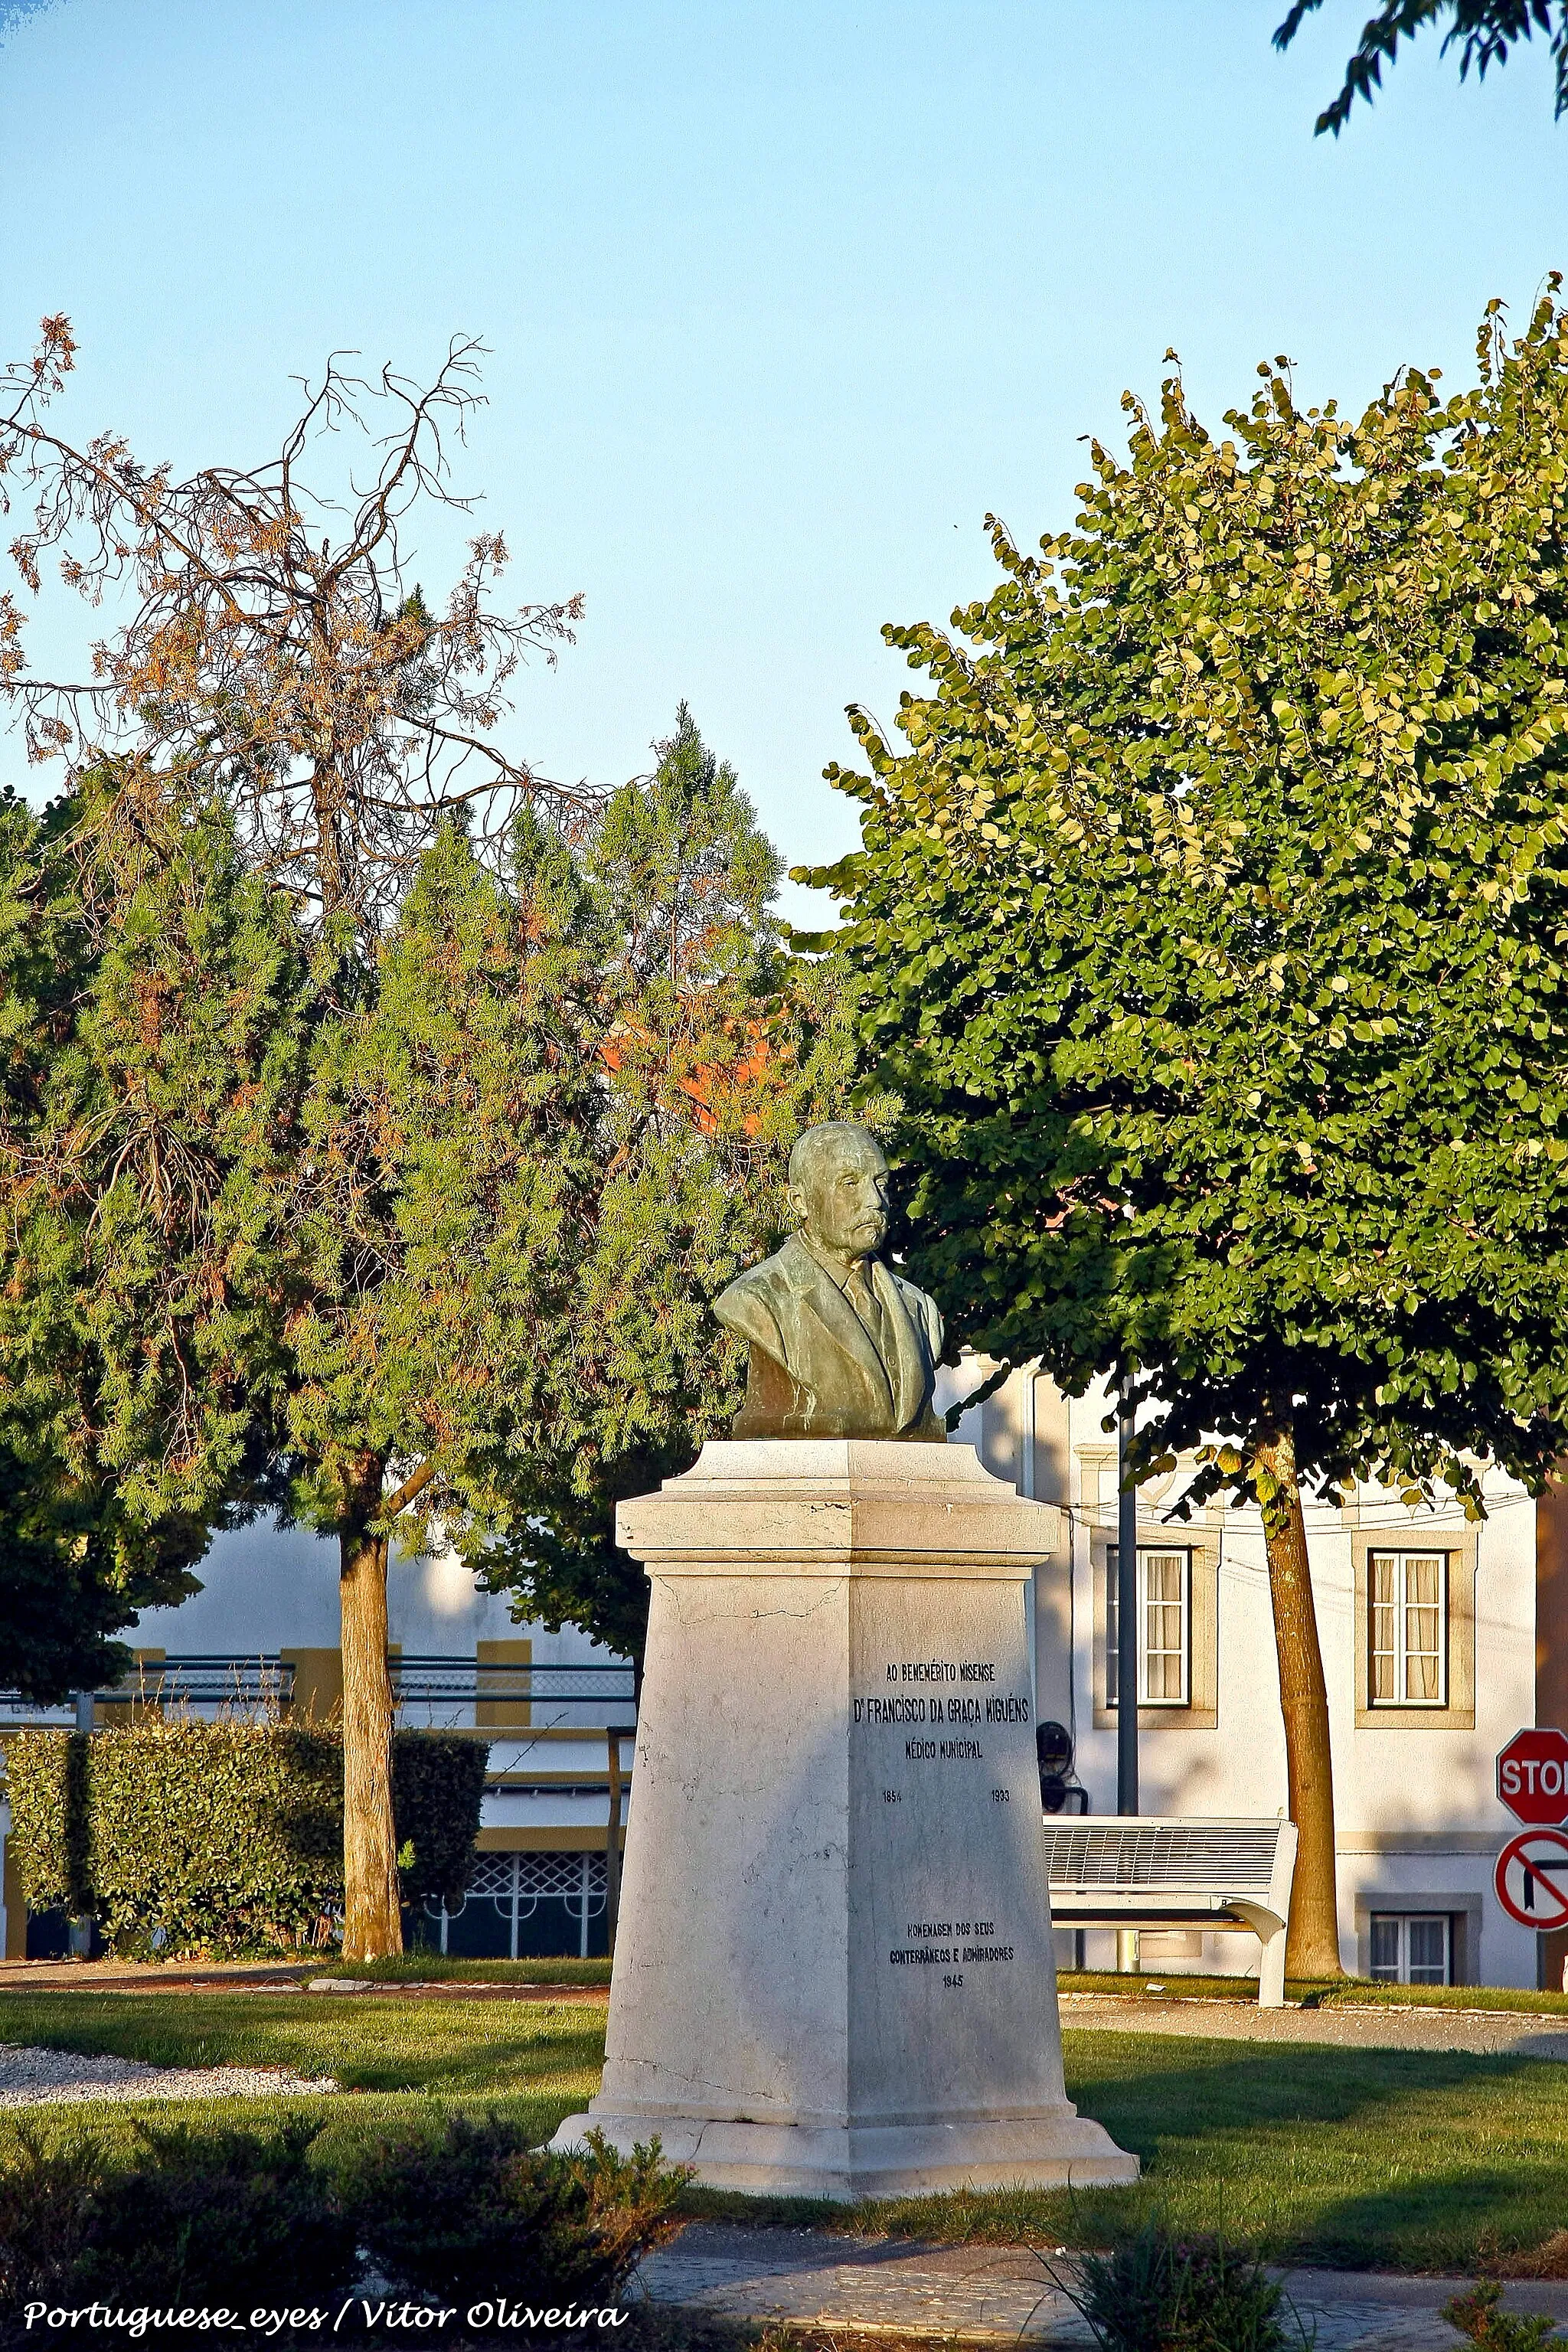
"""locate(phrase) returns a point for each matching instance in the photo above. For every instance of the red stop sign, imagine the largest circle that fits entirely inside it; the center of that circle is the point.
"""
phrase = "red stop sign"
(1533, 1776)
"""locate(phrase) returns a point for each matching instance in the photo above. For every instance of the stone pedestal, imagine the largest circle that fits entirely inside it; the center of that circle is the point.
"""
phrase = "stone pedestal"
(834, 1973)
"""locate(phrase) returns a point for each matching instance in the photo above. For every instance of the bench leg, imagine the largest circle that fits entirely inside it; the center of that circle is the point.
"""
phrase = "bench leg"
(1272, 1970)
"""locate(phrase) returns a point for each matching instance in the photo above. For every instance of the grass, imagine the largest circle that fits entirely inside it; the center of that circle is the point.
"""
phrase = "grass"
(451, 2048)
(1243, 1989)
(1340, 1993)
(1356, 1993)
(434, 1967)
(1376, 2159)
(1358, 2158)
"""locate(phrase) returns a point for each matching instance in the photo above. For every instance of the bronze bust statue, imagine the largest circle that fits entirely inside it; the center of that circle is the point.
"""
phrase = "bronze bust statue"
(840, 1345)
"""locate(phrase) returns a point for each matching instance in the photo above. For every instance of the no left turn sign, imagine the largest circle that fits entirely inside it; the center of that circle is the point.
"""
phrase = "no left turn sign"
(1531, 1879)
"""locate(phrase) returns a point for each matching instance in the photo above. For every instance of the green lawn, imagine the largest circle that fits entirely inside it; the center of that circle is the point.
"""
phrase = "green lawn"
(1340, 1993)
(454, 2048)
(1364, 2158)
(1383, 2158)
(1355, 1992)
(432, 1967)
(399, 2061)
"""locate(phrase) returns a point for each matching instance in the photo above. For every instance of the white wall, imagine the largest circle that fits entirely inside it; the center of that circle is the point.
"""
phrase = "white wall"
(1417, 1812)
(267, 1589)
(1418, 1816)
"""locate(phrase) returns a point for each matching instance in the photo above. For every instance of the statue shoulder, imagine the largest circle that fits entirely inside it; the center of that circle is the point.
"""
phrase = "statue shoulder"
(748, 1305)
(921, 1309)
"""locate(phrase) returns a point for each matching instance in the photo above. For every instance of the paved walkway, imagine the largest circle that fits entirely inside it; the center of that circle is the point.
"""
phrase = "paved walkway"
(1003, 2293)
(1486, 2032)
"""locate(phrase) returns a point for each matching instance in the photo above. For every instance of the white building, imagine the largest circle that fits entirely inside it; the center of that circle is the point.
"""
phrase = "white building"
(1440, 1639)
(266, 1625)
(1417, 1720)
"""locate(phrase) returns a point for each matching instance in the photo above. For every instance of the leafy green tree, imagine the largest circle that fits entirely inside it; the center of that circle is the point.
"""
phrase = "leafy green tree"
(1484, 30)
(716, 1049)
(445, 1156)
(126, 1246)
(689, 879)
(1211, 925)
(423, 1241)
(207, 1304)
(516, 1148)
(294, 676)
(63, 1593)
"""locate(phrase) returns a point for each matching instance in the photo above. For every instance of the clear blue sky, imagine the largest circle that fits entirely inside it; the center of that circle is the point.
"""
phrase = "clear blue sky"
(781, 298)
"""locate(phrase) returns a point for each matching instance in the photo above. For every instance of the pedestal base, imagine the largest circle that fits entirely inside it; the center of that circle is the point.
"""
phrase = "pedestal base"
(833, 1970)
(1060, 2151)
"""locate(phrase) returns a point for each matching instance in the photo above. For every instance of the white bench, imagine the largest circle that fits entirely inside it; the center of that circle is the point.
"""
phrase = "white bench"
(1167, 1871)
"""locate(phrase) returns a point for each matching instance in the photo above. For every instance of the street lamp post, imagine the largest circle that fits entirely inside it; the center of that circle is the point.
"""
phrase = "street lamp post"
(1126, 1651)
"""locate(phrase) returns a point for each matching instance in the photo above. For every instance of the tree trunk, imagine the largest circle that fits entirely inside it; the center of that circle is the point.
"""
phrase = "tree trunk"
(1312, 1946)
(373, 1923)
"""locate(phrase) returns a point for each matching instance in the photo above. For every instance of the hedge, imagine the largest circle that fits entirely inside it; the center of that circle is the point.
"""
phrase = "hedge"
(437, 1788)
(198, 2216)
(184, 1836)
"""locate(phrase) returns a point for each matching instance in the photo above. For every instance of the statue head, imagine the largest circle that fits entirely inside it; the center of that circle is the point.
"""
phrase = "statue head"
(838, 1189)
(835, 1349)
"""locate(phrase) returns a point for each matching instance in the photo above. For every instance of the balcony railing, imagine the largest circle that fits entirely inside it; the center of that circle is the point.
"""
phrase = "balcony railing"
(452, 1693)
(197, 1681)
(434, 1691)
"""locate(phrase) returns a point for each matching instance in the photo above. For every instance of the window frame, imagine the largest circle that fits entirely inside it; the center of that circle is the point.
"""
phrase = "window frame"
(1146, 1552)
(1457, 1710)
(1402, 1608)
(1203, 1538)
(1403, 1922)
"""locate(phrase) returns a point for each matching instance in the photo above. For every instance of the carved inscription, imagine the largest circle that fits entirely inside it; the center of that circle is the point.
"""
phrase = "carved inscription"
(942, 1670)
(948, 1943)
(935, 1708)
(955, 1710)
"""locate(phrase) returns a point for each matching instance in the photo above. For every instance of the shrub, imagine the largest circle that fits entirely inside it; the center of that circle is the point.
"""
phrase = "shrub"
(245, 2218)
(203, 2217)
(180, 1836)
(1480, 2317)
(1158, 2293)
(437, 1788)
(45, 1780)
(476, 2205)
(44, 2202)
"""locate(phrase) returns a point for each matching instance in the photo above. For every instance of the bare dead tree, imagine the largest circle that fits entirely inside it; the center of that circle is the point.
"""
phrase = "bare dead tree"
(277, 650)
(278, 655)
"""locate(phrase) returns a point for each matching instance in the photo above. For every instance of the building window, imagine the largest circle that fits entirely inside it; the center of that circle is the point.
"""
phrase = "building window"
(1411, 1948)
(1165, 1627)
(1407, 1598)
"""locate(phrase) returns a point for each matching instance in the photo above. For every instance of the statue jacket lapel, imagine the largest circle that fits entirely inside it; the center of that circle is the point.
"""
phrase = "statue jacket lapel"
(825, 1319)
(909, 1361)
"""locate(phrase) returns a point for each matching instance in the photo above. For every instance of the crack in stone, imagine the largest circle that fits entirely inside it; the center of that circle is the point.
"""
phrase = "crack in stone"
(707, 1613)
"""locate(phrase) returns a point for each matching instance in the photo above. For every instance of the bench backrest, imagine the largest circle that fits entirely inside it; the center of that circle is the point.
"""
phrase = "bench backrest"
(1165, 1854)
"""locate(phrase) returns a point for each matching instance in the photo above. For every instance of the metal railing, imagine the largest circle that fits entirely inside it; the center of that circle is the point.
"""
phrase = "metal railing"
(200, 1679)
(197, 1680)
(467, 1679)
(453, 1693)
(436, 1691)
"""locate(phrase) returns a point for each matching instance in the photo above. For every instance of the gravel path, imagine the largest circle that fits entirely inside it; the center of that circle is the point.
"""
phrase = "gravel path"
(37, 2078)
(1486, 2032)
